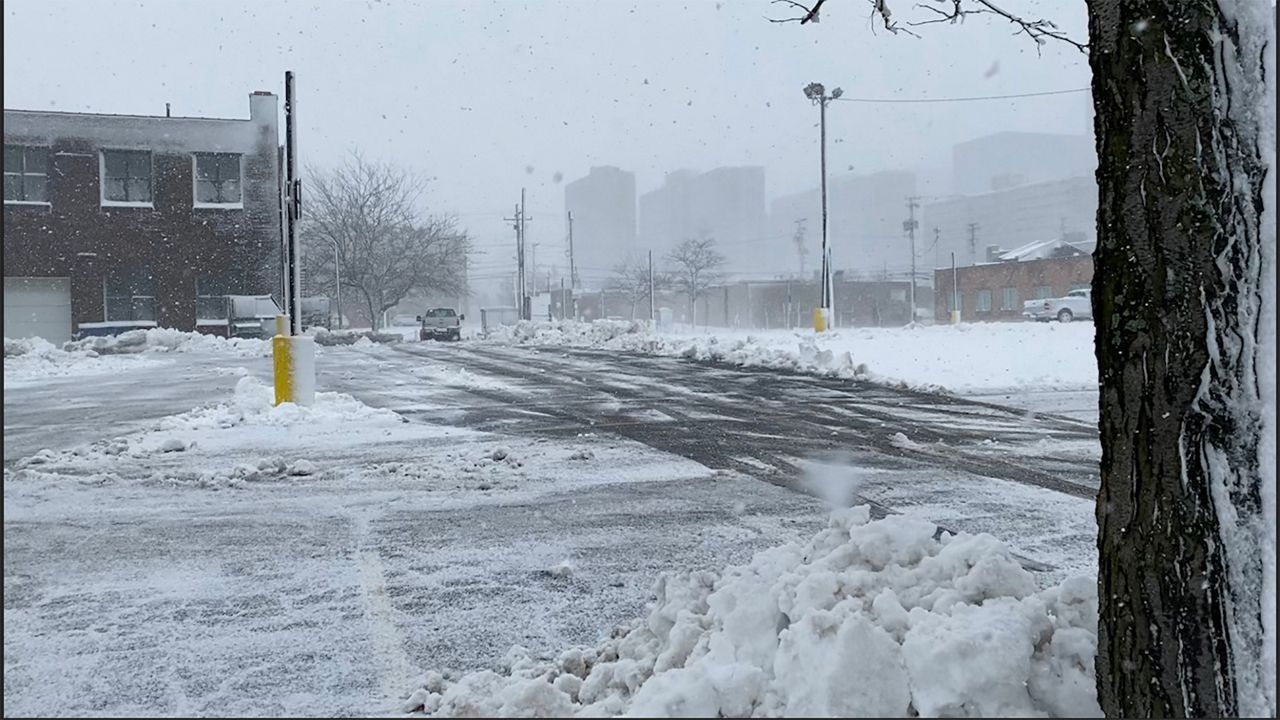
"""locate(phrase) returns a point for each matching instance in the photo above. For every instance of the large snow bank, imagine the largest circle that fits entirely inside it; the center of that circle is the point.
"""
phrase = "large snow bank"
(868, 618)
(960, 358)
(31, 359)
(170, 340)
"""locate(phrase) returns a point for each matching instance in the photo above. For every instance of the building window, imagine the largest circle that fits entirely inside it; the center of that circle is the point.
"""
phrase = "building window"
(126, 177)
(217, 179)
(130, 295)
(1009, 299)
(984, 302)
(26, 174)
(1044, 292)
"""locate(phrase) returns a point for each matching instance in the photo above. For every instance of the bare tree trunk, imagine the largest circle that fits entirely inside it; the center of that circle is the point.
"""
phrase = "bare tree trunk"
(1180, 270)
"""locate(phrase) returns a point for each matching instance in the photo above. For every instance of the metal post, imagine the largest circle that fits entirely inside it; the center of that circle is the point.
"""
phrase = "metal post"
(652, 317)
(911, 233)
(524, 300)
(818, 94)
(955, 293)
(826, 268)
(294, 310)
(563, 300)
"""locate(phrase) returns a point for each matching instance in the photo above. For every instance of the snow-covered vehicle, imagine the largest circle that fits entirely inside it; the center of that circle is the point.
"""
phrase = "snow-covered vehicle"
(440, 324)
(1077, 304)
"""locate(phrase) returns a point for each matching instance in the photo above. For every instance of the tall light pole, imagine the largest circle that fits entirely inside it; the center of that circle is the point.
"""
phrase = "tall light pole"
(818, 95)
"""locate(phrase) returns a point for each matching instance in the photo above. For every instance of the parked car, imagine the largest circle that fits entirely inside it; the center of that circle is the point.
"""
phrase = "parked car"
(1077, 305)
(440, 324)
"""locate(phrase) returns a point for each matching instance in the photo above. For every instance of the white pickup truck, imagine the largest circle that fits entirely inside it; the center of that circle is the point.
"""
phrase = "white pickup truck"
(440, 324)
(1078, 304)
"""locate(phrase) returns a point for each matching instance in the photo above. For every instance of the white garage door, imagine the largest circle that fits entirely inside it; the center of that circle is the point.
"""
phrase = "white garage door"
(37, 307)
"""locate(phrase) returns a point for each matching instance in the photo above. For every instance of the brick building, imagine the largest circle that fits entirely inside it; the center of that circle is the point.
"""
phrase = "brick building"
(996, 291)
(117, 221)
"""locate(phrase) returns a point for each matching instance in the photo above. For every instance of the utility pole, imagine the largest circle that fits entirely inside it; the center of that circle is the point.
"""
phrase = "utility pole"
(518, 221)
(818, 95)
(955, 293)
(653, 320)
(573, 269)
(973, 243)
(937, 249)
(910, 225)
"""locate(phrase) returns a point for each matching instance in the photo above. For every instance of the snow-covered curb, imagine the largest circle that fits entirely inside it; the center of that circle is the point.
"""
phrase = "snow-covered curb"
(868, 618)
(963, 358)
(31, 359)
(251, 411)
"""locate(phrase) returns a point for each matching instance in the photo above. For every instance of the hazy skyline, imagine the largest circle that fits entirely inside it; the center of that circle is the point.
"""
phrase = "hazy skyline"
(487, 97)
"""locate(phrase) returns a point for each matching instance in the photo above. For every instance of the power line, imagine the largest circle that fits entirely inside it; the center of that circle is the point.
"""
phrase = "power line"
(963, 99)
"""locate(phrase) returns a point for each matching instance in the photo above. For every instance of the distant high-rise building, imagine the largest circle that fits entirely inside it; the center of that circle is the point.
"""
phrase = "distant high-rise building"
(604, 220)
(1008, 159)
(727, 204)
(1010, 218)
(864, 224)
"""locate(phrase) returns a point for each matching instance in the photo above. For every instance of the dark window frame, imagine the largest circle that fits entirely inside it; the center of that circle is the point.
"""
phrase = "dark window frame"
(22, 174)
(217, 183)
(132, 177)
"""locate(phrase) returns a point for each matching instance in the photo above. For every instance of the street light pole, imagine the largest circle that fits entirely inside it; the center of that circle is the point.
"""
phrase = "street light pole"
(818, 95)
(337, 282)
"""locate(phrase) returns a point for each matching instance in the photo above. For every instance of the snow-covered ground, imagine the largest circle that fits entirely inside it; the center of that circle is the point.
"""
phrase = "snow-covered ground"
(201, 551)
(980, 358)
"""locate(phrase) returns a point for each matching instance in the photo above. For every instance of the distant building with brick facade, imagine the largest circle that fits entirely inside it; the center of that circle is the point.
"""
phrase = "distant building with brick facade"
(117, 221)
(996, 290)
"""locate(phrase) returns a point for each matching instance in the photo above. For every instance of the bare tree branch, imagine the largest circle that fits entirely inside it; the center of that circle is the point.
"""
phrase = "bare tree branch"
(386, 250)
(1039, 30)
(696, 267)
(810, 13)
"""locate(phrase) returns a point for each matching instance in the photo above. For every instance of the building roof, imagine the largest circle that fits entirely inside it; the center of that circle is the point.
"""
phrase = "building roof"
(1038, 250)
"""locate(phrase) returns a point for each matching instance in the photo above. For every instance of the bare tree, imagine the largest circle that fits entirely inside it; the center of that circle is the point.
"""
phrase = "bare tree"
(1185, 305)
(631, 279)
(386, 248)
(695, 268)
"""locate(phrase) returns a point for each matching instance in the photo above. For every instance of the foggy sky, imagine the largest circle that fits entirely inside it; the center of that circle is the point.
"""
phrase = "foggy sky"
(485, 97)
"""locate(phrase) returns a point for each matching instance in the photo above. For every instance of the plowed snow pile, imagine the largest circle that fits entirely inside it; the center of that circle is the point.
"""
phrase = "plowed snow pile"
(868, 618)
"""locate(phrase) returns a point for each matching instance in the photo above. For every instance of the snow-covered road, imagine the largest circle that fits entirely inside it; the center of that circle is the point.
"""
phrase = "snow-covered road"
(532, 499)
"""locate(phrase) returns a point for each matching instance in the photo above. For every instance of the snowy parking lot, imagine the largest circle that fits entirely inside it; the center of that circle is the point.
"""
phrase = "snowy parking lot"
(175, 544)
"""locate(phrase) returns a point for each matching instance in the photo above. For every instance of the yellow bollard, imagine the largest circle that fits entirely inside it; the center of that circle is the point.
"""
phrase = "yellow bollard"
(293, 361)
(282, 364)
(955, 317)
(819, 320)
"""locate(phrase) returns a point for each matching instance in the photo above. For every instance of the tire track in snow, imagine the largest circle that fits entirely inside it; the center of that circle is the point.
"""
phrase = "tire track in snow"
(398, 671)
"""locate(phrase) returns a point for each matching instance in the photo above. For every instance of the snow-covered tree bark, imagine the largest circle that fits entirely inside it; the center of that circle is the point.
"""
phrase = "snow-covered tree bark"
(1184, 301)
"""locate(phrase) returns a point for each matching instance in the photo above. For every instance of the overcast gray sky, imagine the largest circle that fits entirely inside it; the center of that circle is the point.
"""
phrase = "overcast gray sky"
(487, 96)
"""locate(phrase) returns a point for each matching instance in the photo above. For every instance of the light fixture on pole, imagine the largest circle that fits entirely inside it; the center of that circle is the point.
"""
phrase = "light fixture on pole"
(817, 93)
